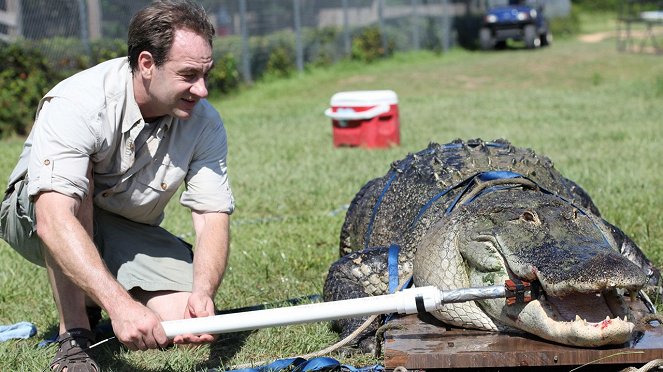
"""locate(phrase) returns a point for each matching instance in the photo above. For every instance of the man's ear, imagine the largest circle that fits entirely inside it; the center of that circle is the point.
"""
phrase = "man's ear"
(146, 64)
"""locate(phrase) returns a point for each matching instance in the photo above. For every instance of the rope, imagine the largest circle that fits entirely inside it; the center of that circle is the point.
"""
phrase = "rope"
(654, 364)
(322, 352)
(330, 349)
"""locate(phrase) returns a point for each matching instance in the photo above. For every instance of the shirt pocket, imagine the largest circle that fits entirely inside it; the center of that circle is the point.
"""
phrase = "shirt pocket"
(164, 178)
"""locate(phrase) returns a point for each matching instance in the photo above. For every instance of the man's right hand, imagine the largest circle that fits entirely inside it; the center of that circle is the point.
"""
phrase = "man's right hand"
(138, 327)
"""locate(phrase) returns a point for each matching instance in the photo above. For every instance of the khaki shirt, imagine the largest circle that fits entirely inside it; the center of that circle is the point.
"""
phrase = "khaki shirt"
(93, 116)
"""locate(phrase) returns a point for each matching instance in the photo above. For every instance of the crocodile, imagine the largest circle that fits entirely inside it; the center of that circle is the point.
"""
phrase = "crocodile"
(478, 213)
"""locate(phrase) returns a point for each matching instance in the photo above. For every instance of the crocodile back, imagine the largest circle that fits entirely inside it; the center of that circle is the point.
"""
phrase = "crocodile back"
(386, 207)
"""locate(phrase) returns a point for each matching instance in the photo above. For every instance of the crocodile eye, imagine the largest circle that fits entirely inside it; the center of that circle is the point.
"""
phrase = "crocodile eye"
(530, 216)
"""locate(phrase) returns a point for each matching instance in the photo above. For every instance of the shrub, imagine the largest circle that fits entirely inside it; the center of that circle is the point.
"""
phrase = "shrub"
(320, 45)
(105, 49)
(272, 55)
(367, 45)
(25, 77)
(593, 5)
(281, 62)
(566, 26)
(224, 77)
(65, 54)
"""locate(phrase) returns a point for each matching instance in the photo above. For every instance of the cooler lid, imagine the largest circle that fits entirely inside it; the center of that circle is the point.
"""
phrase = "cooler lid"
(361, 98)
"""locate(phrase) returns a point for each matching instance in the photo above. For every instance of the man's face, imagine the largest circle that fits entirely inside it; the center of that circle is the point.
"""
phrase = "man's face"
(178, 84)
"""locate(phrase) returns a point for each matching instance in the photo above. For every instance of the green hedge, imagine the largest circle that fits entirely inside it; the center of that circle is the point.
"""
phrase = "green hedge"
(567, 26)
(29, 68)
(25, 76)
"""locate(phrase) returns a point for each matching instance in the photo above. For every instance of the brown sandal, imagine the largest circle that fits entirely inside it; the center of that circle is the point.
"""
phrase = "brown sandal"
(73, 353)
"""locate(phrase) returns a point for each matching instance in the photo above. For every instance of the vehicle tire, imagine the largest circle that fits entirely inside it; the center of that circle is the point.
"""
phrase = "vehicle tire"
(531, 38)
(500, 44)
(486, 39)
(546, 38)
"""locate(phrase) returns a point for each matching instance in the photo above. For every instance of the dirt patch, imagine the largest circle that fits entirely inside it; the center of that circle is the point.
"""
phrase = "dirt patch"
(596, 37)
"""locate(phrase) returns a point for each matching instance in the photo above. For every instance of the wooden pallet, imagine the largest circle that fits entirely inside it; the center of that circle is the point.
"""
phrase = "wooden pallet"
(421, 342)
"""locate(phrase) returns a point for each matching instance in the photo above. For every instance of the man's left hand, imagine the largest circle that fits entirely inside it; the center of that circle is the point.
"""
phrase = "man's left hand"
(198, 306)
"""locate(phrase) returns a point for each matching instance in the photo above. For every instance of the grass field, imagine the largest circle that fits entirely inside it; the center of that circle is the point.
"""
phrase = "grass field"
(596, 112)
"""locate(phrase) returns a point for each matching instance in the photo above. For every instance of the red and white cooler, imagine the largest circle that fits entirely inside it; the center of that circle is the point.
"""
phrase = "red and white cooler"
(367, 118)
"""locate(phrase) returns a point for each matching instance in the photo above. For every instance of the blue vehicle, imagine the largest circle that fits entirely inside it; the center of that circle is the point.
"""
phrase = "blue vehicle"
(514, 20)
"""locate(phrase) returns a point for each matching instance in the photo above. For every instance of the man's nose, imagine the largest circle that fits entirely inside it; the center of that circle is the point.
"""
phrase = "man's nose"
(199, 88)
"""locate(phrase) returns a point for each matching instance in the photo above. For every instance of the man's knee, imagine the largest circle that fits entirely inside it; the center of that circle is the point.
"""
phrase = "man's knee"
(170, 305)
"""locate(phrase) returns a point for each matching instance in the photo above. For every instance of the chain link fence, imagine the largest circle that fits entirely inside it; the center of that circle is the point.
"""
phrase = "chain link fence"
(402, 25)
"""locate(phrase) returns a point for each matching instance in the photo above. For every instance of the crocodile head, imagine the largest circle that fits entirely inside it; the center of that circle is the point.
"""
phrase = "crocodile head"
(537, 237)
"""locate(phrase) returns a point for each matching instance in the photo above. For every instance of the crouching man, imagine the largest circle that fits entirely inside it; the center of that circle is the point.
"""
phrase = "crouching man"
(109, 148)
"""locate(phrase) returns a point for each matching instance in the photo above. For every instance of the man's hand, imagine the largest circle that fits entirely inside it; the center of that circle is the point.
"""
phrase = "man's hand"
(139, 328)
(198, 306)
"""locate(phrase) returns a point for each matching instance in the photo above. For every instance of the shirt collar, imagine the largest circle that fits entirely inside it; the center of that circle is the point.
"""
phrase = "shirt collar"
(132, 114)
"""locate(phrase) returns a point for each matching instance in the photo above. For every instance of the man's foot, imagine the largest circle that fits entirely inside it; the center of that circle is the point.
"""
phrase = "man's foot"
(72, 354)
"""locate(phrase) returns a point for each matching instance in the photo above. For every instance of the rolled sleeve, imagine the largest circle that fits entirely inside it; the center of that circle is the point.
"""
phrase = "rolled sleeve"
(207, 184)
(62, 144)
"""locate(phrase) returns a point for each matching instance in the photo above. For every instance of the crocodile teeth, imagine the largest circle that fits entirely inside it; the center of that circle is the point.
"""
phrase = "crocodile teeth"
(607, 319)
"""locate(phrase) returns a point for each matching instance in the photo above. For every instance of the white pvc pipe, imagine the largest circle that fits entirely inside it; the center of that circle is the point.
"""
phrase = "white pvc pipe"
(403, 302)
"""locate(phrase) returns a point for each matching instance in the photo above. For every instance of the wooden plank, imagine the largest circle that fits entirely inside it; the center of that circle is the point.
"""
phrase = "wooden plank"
(421, 342)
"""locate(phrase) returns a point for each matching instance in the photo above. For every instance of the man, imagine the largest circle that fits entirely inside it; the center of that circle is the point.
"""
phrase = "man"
(109, 148)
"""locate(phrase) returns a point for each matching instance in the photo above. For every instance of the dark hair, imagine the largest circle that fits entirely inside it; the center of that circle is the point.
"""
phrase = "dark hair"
(153, 27)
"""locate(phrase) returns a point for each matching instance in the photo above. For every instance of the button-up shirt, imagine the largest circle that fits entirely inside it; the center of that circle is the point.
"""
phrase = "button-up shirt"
(93, 117)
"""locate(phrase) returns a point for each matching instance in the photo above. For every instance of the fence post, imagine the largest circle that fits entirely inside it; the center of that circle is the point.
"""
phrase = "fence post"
(346, 29)
(82, 24)
(415, 24)
(19, 18)
(383, 37)
(243, 29)
(446, 26)
(299, 48)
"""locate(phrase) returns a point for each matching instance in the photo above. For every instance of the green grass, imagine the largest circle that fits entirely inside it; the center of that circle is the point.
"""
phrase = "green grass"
(596, 112)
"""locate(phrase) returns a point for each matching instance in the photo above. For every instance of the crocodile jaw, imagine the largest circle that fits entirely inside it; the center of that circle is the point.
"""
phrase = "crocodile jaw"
(539, 318)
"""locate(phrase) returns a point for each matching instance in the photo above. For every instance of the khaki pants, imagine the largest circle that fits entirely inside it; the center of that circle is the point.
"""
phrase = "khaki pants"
(139, 255)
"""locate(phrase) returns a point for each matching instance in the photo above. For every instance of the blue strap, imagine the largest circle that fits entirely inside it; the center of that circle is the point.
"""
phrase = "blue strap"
(302, 365)
(277, 365)
(392, 264)
(394, 249)
(319, 364)
(369, 229)
(400, 168)
(483, 176)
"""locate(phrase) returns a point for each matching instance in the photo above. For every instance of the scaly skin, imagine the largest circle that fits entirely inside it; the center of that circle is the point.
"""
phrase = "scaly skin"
(541, 227)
